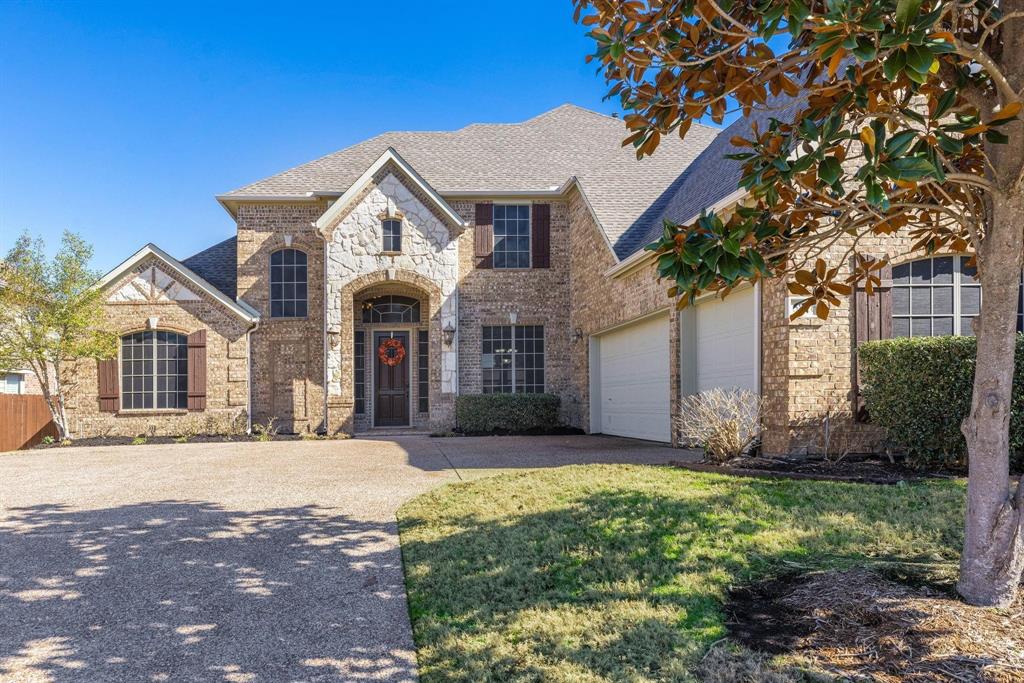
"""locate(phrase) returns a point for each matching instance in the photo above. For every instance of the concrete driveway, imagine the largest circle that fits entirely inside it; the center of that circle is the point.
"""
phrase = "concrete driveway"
(230, 562)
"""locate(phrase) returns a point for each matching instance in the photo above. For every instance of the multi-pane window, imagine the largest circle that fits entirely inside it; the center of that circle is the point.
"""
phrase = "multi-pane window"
(937, 296)
(423, 369)
(154, 370)
(360, 372)
(511, 236)
(391, 309)
(513, 359)
(288, 284)
(392, 230)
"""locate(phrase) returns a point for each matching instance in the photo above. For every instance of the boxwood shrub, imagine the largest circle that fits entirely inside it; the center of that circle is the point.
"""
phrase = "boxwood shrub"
(920, 391)
(506, 413)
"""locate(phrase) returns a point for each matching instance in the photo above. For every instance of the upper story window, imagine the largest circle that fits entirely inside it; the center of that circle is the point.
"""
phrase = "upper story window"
(938, 296)
(154, 370)
(392, 231)
(391, 309)
(511, 235)
(288, 284)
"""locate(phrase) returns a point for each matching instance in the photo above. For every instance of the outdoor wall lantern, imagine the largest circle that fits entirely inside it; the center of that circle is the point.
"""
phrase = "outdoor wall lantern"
(449, 333)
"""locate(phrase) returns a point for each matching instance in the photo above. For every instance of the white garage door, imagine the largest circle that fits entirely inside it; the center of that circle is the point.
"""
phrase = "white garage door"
(631, 386)
(727, 342)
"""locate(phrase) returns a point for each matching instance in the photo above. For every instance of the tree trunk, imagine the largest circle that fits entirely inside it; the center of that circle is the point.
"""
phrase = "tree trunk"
(993, 554)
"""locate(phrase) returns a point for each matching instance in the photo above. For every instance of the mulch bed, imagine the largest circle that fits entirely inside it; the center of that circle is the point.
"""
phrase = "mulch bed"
(127, 440)
(859, 625)
(867, 468)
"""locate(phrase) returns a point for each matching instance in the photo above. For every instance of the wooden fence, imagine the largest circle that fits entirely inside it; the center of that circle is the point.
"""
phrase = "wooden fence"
(24, 422)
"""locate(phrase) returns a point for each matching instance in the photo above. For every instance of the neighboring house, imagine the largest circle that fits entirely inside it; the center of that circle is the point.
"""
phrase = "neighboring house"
(370, 287)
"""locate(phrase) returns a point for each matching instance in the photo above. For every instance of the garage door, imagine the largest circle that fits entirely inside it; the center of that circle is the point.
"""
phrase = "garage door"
(727, 342)
(631, 385)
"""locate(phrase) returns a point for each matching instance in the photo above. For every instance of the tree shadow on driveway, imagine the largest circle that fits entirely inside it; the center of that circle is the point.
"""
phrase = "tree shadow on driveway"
(184, 590)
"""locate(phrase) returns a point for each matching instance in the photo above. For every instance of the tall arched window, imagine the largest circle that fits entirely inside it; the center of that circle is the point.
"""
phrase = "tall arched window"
(288, 283)
(154, 370)
(936, 296)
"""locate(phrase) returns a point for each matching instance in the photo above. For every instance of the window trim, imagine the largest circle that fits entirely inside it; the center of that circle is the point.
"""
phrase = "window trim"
(514, 353)
(384, 235)
(21, 383)
(120, 373)
(270, 285)
(529, 237)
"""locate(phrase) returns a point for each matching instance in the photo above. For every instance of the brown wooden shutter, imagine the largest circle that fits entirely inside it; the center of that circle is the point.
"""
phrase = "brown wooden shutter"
(872, 320)
(541, 235)
(484, 236)
(108, 385)
(197, 370)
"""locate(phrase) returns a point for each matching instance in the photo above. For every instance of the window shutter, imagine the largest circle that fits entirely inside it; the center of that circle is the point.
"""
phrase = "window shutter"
(541, 235)
(484, 235)
(108, 385)
(872, 319)
(197, 370)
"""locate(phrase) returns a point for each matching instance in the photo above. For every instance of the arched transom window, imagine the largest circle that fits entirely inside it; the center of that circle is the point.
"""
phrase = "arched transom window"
(937, 296)
(288, 284)
(391, 309)
(154, 370)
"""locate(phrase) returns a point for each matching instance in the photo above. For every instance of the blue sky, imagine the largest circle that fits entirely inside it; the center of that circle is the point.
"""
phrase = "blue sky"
(122, 121)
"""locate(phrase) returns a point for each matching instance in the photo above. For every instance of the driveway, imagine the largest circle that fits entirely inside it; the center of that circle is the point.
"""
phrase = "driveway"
(230, 562)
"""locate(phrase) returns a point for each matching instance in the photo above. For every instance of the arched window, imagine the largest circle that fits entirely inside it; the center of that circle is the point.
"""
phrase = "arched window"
(288, 284)
(154, 370)
(392, 231)
(937, 296)
(391, 309)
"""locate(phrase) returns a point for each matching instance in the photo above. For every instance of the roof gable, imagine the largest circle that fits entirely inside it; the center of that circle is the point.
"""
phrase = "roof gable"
(174, 277)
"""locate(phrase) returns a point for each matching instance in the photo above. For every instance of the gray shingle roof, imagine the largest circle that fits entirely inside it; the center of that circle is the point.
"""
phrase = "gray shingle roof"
(538, 154)
(218, 266)
(711, 177)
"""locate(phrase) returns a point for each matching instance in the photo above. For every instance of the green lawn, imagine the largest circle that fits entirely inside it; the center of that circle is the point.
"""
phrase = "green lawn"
(610, 572)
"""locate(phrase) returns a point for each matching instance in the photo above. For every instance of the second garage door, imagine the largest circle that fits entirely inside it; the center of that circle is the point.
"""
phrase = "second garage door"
(727, 342)
(630, 380)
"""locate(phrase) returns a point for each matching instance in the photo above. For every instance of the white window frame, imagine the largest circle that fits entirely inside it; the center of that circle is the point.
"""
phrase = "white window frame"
(513, 352)
(956, 285)
(529, 237)
(384, 236)
(155, 391)
(21, 383)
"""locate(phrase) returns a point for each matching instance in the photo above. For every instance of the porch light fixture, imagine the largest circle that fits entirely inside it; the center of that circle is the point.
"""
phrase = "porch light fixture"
(577, 335)
(449, 334)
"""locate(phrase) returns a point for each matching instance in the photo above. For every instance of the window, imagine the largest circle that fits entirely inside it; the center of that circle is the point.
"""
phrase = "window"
(12, 383)
(392, 229)
(511, 236)
(513, 359)
(288, 284)
(154, 370)
(360, 372)
(423, 370)
(937, 296)
(391, 309)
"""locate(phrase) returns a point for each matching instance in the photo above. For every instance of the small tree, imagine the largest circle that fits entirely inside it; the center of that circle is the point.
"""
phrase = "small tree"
(879, 117)
(50, 317)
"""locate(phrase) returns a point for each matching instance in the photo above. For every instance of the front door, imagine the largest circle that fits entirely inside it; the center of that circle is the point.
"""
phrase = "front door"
(391, 379)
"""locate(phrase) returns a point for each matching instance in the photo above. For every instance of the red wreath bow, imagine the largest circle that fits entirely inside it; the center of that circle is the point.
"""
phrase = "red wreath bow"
(391, 352)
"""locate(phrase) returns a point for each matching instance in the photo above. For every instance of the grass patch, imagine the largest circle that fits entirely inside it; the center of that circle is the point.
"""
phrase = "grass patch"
(615, 572)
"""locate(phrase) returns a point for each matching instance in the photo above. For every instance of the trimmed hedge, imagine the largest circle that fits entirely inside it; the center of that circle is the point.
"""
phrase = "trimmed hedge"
(919, 390)
(506, 413)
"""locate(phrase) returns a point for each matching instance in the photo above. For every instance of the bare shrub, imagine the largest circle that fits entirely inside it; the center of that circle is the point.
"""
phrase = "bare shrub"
(266, 431)
(722, 421)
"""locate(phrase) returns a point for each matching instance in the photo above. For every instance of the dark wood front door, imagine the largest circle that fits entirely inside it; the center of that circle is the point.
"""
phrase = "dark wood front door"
(391, 383)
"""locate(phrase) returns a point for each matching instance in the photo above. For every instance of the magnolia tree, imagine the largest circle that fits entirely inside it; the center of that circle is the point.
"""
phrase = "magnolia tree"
(49, 317)
(898, 117)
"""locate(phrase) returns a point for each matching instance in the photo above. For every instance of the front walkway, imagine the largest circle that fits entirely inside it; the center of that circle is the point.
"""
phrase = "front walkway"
(234, 561)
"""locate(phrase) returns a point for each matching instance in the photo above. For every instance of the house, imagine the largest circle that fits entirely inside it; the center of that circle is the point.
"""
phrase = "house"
(368, 288)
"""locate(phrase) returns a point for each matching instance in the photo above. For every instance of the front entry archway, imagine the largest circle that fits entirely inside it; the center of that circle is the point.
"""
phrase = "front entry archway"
(392, 397)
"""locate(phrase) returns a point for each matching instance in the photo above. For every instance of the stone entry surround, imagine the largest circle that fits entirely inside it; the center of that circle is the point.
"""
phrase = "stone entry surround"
(358, 269)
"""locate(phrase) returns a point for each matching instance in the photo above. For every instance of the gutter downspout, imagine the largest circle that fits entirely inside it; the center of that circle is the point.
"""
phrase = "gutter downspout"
(248, 364)
(327, 254)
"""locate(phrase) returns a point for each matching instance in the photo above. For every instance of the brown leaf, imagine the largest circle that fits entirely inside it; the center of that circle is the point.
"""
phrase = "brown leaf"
(1007, 112)
(821, 310)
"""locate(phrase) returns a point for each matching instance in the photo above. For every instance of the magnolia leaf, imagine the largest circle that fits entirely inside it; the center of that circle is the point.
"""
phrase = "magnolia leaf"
(906, 11)
(1008, 112)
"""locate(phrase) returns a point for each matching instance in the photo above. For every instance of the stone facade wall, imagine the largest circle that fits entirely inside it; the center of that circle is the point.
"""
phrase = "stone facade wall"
(287, 354)
(599, 303)
(535, 296)
(227, 383)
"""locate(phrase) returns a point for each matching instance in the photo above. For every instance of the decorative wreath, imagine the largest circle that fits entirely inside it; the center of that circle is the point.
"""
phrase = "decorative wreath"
(391, 352)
